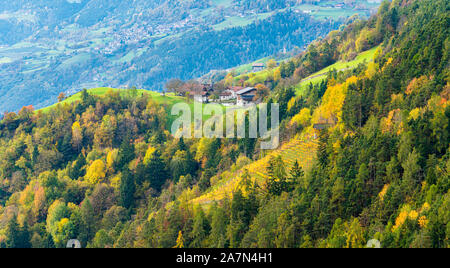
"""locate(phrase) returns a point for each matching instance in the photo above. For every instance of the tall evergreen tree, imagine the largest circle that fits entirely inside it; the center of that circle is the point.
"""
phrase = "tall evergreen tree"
(157, 171)
(126, 154)
(88, 229)
(16, 236)
(127, 189)
(77, 170)
(217, 236)
(296, 173)
(200, 229)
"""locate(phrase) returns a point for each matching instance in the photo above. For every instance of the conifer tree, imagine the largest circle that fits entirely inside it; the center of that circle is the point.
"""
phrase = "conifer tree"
(156, 171)
(127, 189)
(217, 236)
(17, 237)
(297, 173)
(77, 171)
(13, 234)
(126, 153)
(88, 219)
(200, 229)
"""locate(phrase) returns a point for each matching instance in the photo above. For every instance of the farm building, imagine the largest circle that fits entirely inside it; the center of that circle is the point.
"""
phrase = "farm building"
(246, 96)
(202, 97)
(257, 67)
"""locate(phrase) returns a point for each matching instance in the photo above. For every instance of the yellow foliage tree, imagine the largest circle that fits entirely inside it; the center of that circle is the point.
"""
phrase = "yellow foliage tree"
(303, 118)
(372, 69)
(201, 148)
(333, 100)
(366, 40)
(423, 222)
(414, 114)
(397, 100)
(392, 123)
(96, 172)
(277, 75)
(425, 207)
(39, 202)
(413, 215)
(400, 220)
(111, 158)
(149, 154)
(405, 213)
(229, 79)
(60, 225)
(180, 241)
(383, 192)
(389, 62)
(77, 135)
(291, 104)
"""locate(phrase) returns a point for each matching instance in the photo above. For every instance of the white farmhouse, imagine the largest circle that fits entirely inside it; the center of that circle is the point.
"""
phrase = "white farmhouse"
(245, 96)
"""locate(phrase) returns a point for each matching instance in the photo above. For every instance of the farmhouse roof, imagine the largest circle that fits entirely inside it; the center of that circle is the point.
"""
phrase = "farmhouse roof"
(245, 90)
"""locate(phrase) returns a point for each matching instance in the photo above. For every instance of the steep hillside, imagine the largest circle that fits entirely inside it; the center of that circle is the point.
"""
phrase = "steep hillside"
(377, 175)
(362, 58)
(297, 150)
(268, 75)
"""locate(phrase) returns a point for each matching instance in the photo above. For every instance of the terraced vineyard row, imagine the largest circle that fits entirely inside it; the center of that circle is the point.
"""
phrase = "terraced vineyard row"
(303, 151)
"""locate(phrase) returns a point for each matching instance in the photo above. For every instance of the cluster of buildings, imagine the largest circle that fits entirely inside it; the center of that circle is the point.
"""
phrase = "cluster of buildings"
(243, 96)
(239, 96)
(139, 32)
(175, 27)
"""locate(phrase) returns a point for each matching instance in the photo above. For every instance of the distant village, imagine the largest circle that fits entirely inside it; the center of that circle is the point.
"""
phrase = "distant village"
(137, 33)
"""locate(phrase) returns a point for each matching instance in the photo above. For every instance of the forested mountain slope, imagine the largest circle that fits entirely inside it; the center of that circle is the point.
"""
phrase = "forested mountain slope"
(105, 170)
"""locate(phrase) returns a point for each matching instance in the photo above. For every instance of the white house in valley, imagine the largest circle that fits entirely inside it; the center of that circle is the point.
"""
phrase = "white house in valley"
(202, 97)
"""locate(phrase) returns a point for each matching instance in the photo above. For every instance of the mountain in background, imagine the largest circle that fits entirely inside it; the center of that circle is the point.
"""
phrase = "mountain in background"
(53, 46)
